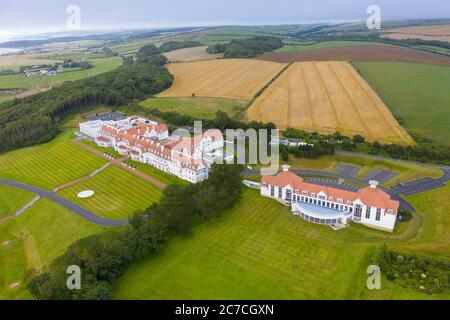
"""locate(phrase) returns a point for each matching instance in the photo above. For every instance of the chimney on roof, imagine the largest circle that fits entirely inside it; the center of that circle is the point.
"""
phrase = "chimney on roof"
(373, 184)
(286, 168)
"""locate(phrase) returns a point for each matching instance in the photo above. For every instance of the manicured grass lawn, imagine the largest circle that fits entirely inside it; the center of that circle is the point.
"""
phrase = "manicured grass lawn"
(118, 193)
(12, 199)
(259, 250)
(49, 165)
(202, 108)
(42, 234)
(326, 44)
(417, 93)
(100, 66)
(158, 174)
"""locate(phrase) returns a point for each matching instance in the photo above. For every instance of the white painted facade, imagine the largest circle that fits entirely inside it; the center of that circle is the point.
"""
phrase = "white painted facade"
(329, 206)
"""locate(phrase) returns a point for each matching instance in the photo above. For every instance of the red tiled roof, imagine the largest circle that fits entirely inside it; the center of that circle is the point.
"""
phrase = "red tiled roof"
(373, 197)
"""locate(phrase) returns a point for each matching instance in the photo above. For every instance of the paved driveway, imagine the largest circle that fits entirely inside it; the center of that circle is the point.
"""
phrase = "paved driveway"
(83, 213)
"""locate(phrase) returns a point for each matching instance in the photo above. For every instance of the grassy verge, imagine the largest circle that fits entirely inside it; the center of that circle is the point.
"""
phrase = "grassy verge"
(12, 199)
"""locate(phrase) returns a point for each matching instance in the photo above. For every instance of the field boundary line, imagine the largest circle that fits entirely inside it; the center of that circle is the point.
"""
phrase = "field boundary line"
(327, 94)
(265, 87)
(369, 94)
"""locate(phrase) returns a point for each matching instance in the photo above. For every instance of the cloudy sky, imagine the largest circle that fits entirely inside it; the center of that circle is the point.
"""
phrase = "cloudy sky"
(31, 16)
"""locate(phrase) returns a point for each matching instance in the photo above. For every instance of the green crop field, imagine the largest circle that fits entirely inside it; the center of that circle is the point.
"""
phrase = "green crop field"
(34, 240)
(326, 44)
(19, 81)
(259, 250)
(417, 93)
(118, 193)
(202, 108)
(12, 199)
(49, 165)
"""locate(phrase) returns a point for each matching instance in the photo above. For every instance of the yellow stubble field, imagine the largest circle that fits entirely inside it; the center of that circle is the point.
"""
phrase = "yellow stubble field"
(224, 78)
(327, 97)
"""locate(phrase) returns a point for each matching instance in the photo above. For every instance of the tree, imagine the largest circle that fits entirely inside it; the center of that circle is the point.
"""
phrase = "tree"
(359, 139)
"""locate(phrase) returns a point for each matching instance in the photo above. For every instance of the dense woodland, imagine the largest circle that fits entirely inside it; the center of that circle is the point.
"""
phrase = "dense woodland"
(36, 119)
(175, 45)
(246, 48)
(104, 258)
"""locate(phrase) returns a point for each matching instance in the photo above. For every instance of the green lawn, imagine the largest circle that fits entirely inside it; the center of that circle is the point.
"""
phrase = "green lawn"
(35, 239)
(49, 165)
(12, 199)
(158, 174)
(259, 250)
(100, 66)
(326, 44)
(118, 193)
(202, 108)
(417, 93)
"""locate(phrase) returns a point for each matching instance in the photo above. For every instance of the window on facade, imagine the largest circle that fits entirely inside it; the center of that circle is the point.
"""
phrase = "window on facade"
(378, 217)
(280, 193)
(358, 210)
(368, 209)
(272, 191)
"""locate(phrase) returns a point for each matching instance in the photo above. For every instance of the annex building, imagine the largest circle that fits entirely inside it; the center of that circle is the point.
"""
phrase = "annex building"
(369, 206)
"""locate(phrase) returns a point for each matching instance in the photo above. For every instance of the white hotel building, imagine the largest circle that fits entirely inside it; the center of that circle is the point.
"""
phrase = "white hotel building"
(331, 206)
(149, 142)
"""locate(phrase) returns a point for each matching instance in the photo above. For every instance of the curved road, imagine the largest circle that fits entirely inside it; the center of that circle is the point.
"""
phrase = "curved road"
(83, 213)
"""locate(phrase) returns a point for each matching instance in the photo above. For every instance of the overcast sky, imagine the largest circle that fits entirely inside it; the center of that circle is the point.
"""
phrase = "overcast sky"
(31, 16)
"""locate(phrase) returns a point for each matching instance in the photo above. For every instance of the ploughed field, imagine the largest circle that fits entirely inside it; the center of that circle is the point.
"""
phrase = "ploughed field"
(227, 78)
(360, 53)
(327, 97)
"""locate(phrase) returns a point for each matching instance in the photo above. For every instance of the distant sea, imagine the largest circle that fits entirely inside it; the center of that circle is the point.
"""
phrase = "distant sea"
(4, 51)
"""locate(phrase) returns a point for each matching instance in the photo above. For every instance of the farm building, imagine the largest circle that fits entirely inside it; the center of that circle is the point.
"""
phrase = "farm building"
(369, 206)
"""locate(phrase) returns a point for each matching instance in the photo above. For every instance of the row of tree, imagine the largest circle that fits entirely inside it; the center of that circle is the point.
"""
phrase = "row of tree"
(104, 258)
(36, 119)
(246, 48)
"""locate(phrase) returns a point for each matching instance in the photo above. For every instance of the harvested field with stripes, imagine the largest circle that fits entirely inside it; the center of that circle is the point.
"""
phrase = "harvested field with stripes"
(327, 97)
(224, 78)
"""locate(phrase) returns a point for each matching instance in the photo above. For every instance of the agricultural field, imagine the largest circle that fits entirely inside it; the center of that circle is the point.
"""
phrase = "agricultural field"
(49, 165)
(202, 108)
(118, 193)
(259, 250)
(325, 44)
(190, 54)
(360, 53)
(327, 97)
(20, 82)
(228, 78)
(429, 33)
(15, 61)
(417, 93)
(34, 240)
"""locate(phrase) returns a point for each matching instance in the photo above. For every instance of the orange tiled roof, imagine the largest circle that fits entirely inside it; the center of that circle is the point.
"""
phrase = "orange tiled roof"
(373, 197)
